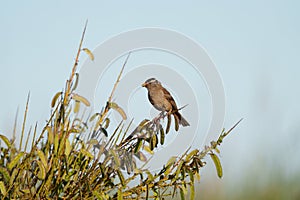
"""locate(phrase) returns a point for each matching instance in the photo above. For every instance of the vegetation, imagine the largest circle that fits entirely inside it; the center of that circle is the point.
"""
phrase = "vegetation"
(70, 160)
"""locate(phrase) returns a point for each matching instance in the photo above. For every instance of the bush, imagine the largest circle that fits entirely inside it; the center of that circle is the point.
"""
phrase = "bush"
(61, 164)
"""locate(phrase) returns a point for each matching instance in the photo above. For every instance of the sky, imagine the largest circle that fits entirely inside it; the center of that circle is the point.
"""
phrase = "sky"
(255, 46)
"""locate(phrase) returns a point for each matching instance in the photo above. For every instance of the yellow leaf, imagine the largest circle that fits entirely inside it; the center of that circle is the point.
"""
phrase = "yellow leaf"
(93, 142)
(50, 137)
(55, 98)
(94, 116)
(120, 194)
(191, 154)
(107, 121)
(5, 174)
(83, 100)
(141, 156)
(118, 109)
(68, 148)
(197, 176)
(42, 171)
(147, 148)
(182, 197)
(56, 142)
(121, 177)
(178, 170)
(15, 161)
(153, 142)
(13, 176)
(116, 158)
(76, 106)
(170, 163)
(192, 187)
(76, 81)
(2, 188)
(42, 157)
(26, 191)
(86, 153)
(89, 53)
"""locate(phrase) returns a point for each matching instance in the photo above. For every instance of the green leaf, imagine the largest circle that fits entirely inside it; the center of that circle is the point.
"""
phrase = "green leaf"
(217, 163)
(42, 157)
(15, 161)
(150, 176)
(170, 163)
(42, 171)
(162, 136)
(192, 188)
(5, 174)
(138, 145)
(97, 195)
(13, 176)
(182, 194)
(120, 194)
(103, 130)
(2, 188)
(168, 124)
(178, 170)
(5, 140)
(121, 177)
(153, 142)
(176, 120)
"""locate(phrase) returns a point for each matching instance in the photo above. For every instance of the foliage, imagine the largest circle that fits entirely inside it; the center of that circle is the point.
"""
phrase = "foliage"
(61, 164)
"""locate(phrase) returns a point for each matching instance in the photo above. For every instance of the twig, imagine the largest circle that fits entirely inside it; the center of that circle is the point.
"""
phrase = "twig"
(69, 82)
(118, 79)
(24, 121)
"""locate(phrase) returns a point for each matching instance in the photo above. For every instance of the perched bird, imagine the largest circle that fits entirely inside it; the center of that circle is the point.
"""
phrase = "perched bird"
(162, 100)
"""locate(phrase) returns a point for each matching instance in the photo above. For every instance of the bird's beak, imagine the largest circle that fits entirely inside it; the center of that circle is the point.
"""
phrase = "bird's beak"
(144, 84)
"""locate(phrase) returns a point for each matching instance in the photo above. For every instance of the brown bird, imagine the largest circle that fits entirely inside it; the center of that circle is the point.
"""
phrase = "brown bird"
(162, 100)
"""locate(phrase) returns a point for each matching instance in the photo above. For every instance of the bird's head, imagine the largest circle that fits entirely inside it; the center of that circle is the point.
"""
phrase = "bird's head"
(151, 82)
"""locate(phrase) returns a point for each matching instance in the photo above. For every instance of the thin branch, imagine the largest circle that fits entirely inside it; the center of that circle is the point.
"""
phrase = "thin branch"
(118, 79)
(69, 82)
(24, 121)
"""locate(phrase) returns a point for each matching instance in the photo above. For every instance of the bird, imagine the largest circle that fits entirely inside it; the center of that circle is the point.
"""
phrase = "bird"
(163, 101)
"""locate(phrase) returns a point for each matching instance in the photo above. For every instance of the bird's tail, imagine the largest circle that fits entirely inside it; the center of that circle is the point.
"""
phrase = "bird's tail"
(179, 120)
(183, 122)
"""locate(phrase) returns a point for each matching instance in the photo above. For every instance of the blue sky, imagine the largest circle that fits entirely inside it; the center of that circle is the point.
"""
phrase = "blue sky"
(255, 46)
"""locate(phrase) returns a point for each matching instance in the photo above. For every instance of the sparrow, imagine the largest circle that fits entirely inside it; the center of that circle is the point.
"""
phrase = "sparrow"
(163, 101)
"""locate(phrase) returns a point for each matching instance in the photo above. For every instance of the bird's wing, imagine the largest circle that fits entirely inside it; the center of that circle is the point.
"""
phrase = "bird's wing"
(169, 97)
